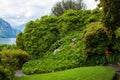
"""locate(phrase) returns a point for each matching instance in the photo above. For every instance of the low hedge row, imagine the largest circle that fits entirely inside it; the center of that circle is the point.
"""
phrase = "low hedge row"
(14, 59)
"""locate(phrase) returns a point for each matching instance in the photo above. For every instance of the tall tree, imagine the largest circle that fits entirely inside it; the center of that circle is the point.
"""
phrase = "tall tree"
(111, 20)
(111, 14)
(64, 5)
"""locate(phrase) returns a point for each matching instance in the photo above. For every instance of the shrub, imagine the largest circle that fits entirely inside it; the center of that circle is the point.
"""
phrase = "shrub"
(73, 20)
(96, 39)
(7, 46)
(47, 65)
(14, 59)
(5, 74)
(69, 56)
(39, 35)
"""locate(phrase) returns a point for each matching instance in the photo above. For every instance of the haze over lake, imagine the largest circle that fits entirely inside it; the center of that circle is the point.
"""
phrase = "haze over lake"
(7, 40)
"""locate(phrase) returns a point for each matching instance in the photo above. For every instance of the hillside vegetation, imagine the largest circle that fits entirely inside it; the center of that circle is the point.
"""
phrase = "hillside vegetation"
(39, 35)
(58, 43)
(63, 54)
(73, 40)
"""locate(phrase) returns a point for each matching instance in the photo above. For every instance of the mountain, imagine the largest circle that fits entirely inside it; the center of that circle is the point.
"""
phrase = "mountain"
(20, 28)
(6, 31)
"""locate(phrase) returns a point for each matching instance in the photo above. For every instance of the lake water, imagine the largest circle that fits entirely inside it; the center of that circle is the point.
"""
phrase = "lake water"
(7, 40)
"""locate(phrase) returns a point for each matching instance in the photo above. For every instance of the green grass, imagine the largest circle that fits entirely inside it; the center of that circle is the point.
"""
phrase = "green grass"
(84, 73)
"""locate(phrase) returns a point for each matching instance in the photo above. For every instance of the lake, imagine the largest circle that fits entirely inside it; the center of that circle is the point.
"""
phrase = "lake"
(7, 40)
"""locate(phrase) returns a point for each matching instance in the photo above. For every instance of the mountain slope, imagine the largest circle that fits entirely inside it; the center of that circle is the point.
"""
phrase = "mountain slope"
(6, 31)
(20, 27)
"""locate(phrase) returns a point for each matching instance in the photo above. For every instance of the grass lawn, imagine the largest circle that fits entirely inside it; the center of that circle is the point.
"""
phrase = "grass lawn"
(83, 73)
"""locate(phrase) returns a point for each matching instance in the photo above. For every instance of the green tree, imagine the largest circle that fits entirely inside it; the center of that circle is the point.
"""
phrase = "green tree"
(95, 39)
(111, 14)
(76, 20)
(64, 5)
(98, 41)
(111, 18)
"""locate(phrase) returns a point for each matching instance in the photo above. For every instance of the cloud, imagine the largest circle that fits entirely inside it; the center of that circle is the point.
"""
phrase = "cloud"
(91, 4)
(18, 12)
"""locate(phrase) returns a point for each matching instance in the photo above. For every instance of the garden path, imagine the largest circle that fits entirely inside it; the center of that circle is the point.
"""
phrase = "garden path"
(116, 67)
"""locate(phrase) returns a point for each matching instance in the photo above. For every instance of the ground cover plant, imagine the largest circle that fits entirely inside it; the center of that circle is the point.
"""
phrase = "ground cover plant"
(83, 73)
(69, 55)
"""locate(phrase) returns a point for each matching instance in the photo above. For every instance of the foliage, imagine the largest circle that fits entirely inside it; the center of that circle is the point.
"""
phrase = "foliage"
(96, 16)
(116, 47)
(69, 56)
(14, 59)
(83, 73)
(7, 46)
(19, 41)
(73, 20)
(48, 66)
(62, 6)
(111, 16)
(111, 20)
(117, 41)
(96, 38)
(39, 35)
(5, 74)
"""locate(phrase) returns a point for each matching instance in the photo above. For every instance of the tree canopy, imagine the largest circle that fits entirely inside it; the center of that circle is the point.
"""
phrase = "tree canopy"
(64, 5)
(111, 13)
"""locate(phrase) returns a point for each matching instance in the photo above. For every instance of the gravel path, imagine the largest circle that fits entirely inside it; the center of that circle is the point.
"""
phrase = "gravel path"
(117, 69)
(19, 73)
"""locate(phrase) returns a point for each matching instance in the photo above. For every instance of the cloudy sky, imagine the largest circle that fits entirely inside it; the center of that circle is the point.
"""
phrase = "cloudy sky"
(18, 12)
